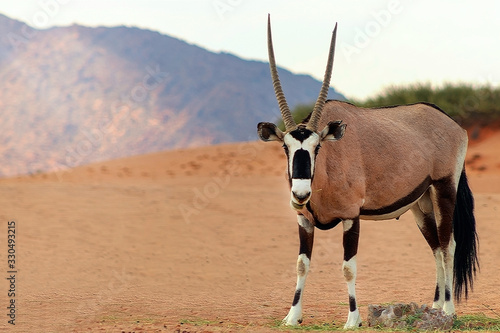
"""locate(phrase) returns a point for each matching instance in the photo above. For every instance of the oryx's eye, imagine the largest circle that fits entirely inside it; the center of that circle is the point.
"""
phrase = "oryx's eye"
(317, 149)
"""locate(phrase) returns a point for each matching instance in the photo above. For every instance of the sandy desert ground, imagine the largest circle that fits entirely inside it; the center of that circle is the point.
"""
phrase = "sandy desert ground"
(203, 240)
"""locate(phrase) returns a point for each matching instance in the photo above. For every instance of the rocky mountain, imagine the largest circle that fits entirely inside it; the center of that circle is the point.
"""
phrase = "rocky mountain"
(75, 95)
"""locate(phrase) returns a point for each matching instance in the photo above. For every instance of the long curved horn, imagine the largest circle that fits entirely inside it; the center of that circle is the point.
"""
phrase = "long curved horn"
(280, 96)
(320, 103)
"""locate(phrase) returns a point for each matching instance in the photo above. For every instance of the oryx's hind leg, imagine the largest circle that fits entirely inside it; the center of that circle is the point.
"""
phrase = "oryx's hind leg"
(443, 194)
(434, 216)
(306, 236)
(426, 222)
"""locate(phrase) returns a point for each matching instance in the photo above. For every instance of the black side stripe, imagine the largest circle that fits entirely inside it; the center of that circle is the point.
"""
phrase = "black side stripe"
(411, 197)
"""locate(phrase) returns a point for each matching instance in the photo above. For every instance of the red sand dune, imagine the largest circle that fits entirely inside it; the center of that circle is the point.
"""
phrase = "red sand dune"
(206, 237)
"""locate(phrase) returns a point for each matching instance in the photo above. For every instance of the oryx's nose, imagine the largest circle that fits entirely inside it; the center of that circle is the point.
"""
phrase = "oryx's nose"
(301, 197)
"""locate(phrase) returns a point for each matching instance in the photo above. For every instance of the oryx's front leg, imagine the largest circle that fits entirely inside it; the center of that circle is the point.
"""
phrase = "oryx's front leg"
(350, 241)
(306, 236)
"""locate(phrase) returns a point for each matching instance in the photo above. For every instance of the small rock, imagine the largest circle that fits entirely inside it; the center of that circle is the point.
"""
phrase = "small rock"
(408, 315)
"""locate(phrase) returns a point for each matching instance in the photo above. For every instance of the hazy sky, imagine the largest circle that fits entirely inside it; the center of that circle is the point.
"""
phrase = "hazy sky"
(379, 42)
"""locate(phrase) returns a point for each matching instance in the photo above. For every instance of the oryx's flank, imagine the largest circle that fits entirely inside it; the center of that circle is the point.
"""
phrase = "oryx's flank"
(347, 163)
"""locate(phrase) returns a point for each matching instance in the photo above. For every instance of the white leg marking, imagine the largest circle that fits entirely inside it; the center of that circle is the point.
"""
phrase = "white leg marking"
(347, 224)
(303, 263)
(438, 255)
(353, 320)
(304, 223)
(449, 306)
(424, 206)
(294, 316)
(349, 268)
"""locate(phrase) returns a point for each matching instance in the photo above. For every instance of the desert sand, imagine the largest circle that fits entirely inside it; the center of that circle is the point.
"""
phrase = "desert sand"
(203, 240)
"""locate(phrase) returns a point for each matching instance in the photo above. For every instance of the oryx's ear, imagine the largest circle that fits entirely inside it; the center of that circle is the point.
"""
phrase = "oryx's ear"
(333, 131)
(269, 132)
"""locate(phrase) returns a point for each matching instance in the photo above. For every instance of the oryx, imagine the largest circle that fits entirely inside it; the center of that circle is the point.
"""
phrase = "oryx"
(388, 161)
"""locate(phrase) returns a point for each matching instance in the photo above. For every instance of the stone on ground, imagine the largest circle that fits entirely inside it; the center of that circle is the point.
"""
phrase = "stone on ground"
(408, 315)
